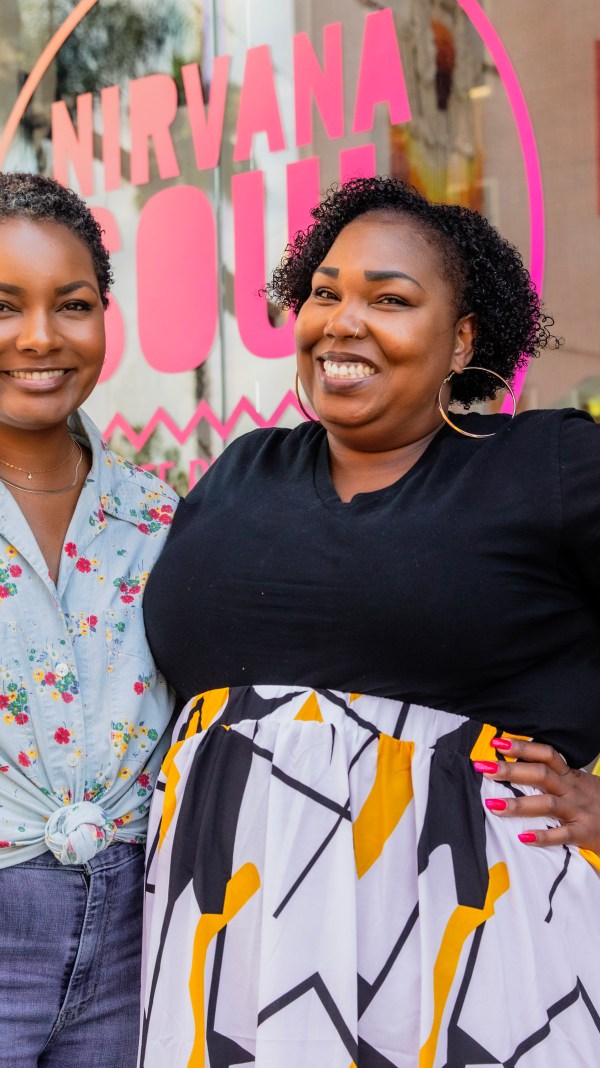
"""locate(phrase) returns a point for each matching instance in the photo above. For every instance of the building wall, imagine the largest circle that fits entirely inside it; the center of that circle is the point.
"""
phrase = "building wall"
(553, 49)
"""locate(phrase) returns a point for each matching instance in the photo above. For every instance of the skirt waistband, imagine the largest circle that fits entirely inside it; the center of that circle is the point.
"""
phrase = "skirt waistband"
(429, 727)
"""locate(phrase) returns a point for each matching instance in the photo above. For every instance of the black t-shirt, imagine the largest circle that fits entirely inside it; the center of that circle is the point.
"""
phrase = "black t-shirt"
(471, 585)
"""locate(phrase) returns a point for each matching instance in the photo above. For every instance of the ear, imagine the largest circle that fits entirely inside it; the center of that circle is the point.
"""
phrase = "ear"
(465, 333)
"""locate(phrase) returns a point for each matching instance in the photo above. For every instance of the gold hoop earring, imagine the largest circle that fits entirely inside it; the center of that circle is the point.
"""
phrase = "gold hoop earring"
(311, 418)
(486, 370)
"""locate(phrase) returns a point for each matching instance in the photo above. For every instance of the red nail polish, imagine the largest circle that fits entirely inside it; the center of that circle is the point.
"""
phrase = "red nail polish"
(486, 767)
(496, 804)
(528, 837)
(504, 744)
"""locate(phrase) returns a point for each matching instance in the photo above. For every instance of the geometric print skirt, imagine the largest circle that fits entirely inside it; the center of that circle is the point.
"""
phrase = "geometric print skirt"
(326, 889)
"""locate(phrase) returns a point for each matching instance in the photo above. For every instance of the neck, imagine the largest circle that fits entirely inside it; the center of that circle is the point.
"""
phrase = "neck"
(354, 471)
(31, 449)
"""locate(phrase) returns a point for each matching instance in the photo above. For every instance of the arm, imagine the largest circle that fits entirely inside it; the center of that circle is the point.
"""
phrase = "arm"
(567, 794)
(570, 796)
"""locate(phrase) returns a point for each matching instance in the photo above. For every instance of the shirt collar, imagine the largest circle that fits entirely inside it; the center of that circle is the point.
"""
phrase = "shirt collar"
(118, 486)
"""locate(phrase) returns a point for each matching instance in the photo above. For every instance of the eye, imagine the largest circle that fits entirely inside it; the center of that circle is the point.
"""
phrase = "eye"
(77, 306)
(393, 299)
(323, 293)
(4, 307)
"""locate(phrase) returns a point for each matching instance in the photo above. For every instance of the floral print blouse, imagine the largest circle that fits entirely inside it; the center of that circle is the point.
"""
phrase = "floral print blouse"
(83, 709)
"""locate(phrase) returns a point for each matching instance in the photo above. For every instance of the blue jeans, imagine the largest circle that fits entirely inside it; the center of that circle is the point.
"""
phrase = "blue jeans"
(70, 945)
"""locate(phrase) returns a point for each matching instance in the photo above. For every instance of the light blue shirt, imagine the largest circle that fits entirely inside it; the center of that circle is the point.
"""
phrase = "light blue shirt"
(83, 709)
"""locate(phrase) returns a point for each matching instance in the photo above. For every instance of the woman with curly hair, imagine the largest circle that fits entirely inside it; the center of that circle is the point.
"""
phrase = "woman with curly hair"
(83, 709)
(376, 610)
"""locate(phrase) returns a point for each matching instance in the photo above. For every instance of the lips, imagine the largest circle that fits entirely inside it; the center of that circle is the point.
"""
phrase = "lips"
(347, 369)
(36, 381)
(37, 376)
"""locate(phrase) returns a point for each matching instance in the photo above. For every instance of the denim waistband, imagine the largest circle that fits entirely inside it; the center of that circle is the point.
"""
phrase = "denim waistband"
(114, 856)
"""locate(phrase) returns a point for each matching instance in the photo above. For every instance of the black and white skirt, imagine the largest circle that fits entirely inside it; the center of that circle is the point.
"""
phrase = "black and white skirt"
(326, 889)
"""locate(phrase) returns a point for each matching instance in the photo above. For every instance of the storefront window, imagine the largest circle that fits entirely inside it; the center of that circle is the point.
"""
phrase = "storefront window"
(203, 132)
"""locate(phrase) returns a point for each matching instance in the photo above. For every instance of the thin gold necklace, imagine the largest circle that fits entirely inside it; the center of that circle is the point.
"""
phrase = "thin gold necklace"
(44, 470)
(61, 489)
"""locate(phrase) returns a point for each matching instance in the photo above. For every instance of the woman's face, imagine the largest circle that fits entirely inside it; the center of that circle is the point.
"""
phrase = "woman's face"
(52, 339)
(377, 388)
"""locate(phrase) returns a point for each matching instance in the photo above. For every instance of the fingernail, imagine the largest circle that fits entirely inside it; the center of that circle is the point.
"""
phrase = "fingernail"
(497, 804)
(486, 767)
(527, 837)
(504, 744)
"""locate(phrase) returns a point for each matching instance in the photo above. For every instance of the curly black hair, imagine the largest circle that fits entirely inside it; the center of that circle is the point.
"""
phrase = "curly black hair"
(34, 196)
(486, 272)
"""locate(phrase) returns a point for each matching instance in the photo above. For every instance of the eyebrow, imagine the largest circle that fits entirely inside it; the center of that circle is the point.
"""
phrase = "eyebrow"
(60, 291)
(72, 286)
(382, 276)
(371, 276)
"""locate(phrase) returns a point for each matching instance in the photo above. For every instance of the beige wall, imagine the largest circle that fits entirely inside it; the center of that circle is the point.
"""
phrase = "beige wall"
(552, 47)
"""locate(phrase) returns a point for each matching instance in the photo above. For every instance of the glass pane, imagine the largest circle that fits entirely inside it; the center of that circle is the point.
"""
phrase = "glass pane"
(203, 132)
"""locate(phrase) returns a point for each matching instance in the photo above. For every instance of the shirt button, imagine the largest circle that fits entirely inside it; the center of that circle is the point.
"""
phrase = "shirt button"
(72, 760)
(61, 670)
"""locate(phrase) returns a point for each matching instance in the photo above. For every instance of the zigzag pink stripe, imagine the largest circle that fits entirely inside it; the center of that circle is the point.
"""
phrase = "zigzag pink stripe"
(203, 411)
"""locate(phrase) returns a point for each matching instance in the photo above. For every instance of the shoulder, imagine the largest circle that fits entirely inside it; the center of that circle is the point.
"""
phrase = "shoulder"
(533, 422)
(258, 456)
(138, 496)
(579, 458)
(530, 431)
(532, 459)
(569, 434)
(554, 422)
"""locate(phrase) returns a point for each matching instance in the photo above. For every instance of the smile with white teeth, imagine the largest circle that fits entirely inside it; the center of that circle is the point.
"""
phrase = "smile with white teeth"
(36, 375)
(347, 370)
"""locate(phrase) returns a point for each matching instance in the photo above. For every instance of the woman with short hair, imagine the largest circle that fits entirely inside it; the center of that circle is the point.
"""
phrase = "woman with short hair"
(83, 708)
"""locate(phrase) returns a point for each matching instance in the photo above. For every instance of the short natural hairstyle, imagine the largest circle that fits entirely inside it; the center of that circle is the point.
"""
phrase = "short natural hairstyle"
(485, 271)
(34, 196)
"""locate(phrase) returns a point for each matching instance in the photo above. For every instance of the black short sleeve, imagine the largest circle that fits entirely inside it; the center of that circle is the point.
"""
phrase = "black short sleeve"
(579, 469)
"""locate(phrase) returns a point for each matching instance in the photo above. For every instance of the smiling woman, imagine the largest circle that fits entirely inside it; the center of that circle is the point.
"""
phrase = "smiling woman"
(52, 343)
(374, 610)
(374, 345)
(83, 707)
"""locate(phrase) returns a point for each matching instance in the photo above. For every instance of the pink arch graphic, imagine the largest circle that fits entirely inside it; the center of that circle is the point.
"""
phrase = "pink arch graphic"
(528, 147)
(37, 73)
